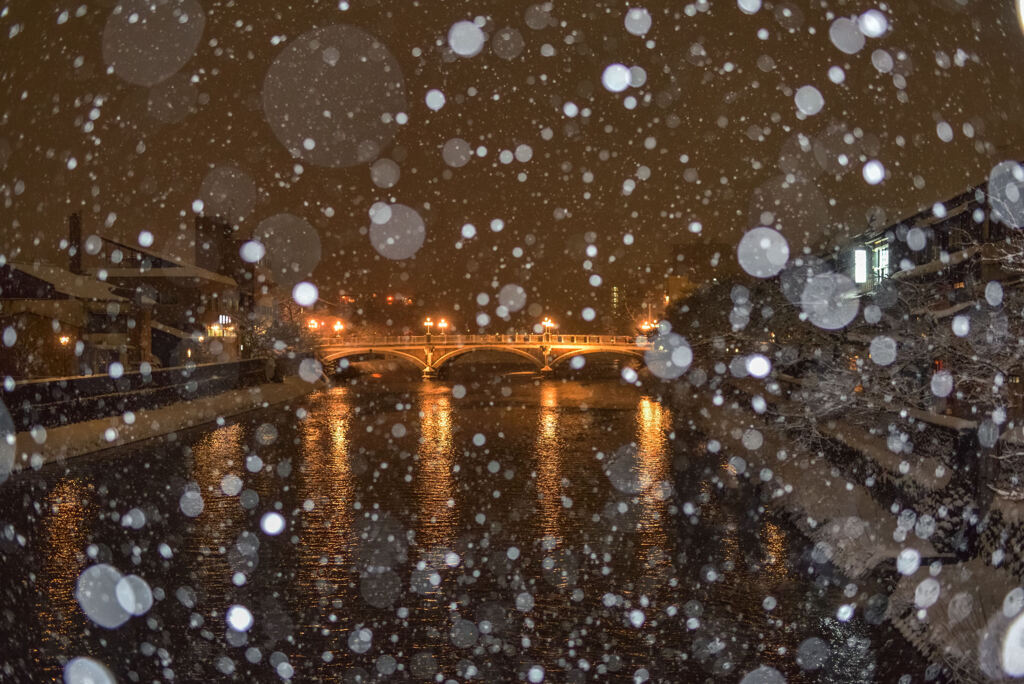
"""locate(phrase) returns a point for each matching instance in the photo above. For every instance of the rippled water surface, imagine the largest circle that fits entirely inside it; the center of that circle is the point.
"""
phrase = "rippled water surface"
(500, 530)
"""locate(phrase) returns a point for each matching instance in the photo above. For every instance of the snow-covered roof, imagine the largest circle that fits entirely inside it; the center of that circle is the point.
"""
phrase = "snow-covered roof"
(170, 330)
(68, 283)
(936, 265)
(176, 269)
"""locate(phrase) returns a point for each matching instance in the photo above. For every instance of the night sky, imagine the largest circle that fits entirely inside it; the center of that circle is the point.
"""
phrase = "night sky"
(715, 137)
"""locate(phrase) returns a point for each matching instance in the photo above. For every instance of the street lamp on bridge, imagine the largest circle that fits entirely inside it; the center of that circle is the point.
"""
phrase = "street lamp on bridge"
(548, 324)
(442, 325)
(428, 324)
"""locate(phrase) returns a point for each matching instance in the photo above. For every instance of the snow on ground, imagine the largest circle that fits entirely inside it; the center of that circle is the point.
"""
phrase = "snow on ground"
(104, 433)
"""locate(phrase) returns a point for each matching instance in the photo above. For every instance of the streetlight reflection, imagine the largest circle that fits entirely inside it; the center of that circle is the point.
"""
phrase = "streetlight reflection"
(326, 481)
(548, 450)
(65, 533)
(436, 486)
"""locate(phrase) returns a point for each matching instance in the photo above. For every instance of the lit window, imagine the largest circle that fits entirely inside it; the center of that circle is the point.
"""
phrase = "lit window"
(882, 262)
(860, 266)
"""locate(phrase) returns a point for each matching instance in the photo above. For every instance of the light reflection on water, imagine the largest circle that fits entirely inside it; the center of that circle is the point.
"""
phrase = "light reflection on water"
(220, 452)
(547, 453)
(365, 498)
(64, 532)
(435, 483)
(326, 492)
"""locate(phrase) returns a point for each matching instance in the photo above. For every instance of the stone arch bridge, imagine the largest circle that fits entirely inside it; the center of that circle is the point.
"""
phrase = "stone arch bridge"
(430, 353)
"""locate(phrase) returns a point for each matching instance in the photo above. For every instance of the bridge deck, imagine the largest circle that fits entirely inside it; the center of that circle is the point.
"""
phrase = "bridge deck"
(461, 340)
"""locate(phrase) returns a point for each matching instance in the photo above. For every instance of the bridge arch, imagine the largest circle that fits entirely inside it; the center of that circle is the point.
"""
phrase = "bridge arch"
(621, 351)
(445, 358)
(385, 352)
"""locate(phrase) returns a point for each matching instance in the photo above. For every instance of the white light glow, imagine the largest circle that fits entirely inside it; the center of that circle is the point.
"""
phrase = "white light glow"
(860, 266)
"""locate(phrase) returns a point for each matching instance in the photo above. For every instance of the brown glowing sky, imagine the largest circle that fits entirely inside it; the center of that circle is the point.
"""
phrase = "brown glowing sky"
(716, 96)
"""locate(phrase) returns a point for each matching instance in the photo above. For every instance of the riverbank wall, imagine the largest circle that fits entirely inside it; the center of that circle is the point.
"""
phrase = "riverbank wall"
(38, 446)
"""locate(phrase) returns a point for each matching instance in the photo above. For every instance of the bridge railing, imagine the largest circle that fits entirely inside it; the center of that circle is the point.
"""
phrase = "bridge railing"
(457, 340)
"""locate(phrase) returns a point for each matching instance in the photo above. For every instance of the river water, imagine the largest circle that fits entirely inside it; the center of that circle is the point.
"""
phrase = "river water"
(496, 529)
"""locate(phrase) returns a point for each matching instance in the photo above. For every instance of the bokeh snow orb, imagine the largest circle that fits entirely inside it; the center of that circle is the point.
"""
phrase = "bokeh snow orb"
(339, 88)
(512, 297)
(239, 618)
(873, 172)
(305, 293)
(829, 301)
(310, 370)
(292, 247)
(994, 293)
(435, 100)
(96, 592)
(147, 41)
(758, 365)
(846, 35)
(812, 654)
(134, 595)
(615, 77)
(763, 675)
(507, 43)
(191, 501)
(380, 213)
(466, 39)
(908, 561)
(272, 523)
(749, 6)
(961, 325)
(927, 592)
(85, 670)
(883, 350)
(1006, 193)
(360, 640)
(231, 484)
(1012, 651)
(385, 173)
(763, 252)
(669, 356)
(808, 100)
(942, 383)
(456, 152)
(882, 61)
(252, 251)
(873, 23)
(401, 236)
(638, 21)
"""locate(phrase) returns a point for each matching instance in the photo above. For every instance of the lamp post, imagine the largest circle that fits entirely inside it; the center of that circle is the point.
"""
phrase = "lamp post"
(428, 324)
(338, 328)
(66, 364)
(548, 324)
(442, 325)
